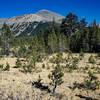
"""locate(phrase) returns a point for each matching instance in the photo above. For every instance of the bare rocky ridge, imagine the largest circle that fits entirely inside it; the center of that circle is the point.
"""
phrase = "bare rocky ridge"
(42, 15)
(20, 24)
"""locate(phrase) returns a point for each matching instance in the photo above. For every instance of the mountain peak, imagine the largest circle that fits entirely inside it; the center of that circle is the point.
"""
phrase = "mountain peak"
(49, 15)
(44, 11)
(30, 22)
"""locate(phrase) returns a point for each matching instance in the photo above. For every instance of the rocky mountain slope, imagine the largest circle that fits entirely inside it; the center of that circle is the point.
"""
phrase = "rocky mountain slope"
(28, 23)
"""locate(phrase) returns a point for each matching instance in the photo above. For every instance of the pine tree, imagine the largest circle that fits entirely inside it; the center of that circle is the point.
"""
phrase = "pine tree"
(56, 75)
(6, 38)
(69, 24)
(52, 41)
(94, 36)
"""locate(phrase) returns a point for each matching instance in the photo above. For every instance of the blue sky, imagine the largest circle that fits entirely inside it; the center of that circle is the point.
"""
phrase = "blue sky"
(90, 9)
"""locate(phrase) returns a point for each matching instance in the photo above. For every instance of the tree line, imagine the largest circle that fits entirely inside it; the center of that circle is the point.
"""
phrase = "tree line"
(73, 34)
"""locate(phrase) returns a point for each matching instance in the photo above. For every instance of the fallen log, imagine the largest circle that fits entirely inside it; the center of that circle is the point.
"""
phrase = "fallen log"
(41, 86)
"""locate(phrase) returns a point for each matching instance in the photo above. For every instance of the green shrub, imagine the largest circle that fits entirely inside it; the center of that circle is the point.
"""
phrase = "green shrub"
(1, 67)
(18, 63)
(43, 66)
(72, 65)
(27, 68)
(98, 55)
(40, 57)
(1, 57)
(70, 55)
(91, 82)
(7, 68)
(81, 55)
(92, 59)
(75, 60)
(48, 67)
(52, 60)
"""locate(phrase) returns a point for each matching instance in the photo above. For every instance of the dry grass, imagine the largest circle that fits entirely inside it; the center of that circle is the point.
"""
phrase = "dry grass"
(16, 85)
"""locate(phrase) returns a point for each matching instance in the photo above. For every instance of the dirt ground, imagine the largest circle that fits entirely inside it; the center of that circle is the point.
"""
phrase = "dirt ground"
(16, 85)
